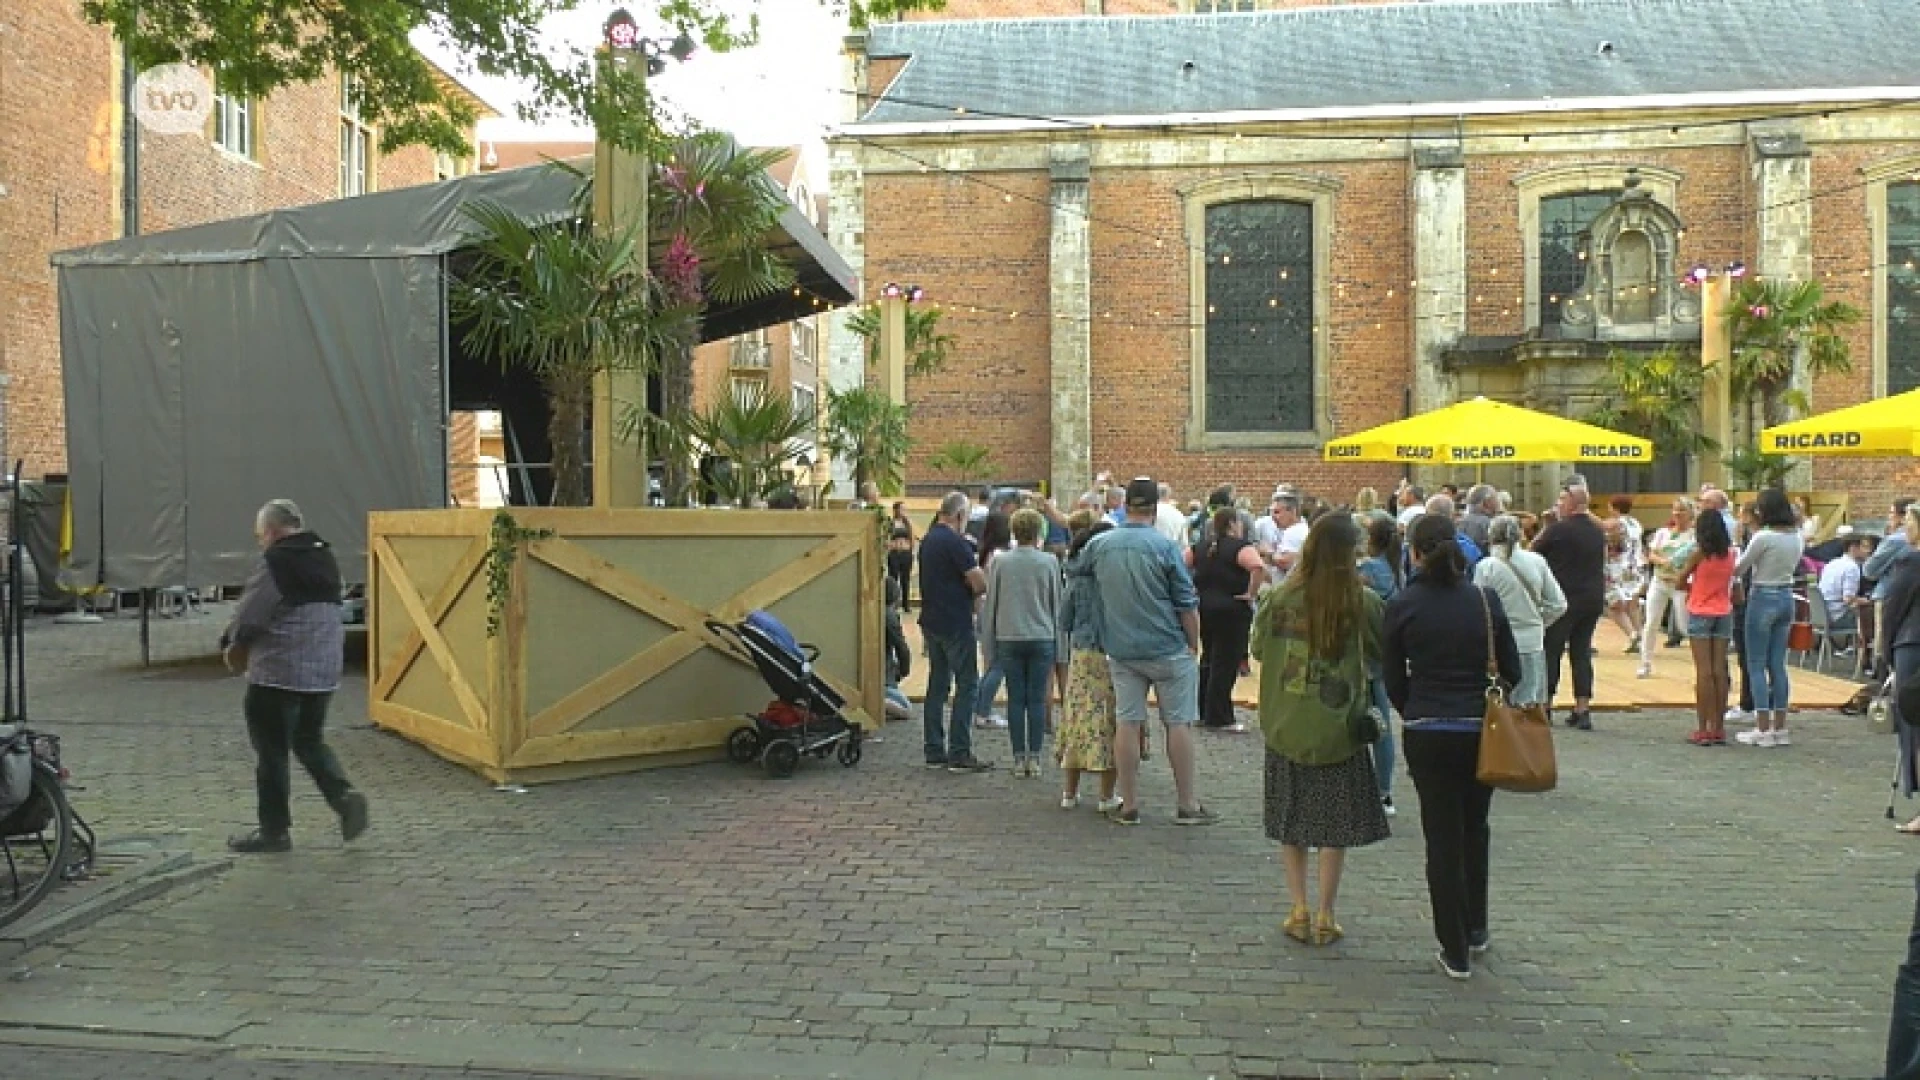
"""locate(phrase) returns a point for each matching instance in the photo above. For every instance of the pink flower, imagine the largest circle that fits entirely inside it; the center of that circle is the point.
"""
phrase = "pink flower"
(680, 270)
(1760, 311)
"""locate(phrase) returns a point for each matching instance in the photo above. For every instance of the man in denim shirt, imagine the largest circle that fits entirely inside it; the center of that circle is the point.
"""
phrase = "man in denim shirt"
(1879, 570)
(1149, 624)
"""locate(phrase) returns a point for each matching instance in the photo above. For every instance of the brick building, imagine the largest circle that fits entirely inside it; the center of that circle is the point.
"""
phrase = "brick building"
(1200, 245)
(65, 182)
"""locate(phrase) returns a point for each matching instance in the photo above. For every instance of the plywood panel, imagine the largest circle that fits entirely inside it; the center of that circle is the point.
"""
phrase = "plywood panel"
(820, 613)
(705, 684)
(703, 571)
(575, 633)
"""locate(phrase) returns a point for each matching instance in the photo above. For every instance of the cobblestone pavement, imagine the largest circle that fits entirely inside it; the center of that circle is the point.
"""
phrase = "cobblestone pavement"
(1670, 911)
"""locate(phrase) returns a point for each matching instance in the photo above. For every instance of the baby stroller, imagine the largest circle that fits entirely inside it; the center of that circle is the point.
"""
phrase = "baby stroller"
(804, 717)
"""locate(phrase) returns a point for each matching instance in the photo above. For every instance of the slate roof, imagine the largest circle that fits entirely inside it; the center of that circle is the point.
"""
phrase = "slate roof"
(1526, 52)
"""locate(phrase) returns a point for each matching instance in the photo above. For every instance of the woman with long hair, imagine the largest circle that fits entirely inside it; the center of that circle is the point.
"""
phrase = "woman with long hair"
(1381, 570)
(1773, 557)
(996, 537)
(1438, 632)
(1227, 573)
(1706, 580)
(1314, 634)
(900, 556)
(1532, 597)
(1083, 739)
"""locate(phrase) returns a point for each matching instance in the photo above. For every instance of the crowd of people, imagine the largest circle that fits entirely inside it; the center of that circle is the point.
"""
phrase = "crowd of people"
(1358, 614)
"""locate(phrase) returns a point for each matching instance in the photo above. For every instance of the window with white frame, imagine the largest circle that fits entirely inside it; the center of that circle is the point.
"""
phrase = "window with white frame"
(803, 401)
(356, 141)
(1902, 261)
(805, 343)
(233, 120)
(1215, 7)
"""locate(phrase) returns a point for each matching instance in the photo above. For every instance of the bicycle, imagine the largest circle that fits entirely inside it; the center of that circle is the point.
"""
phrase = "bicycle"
(43, 840)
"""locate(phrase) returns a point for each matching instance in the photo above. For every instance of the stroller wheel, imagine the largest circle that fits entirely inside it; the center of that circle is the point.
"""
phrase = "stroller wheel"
(743, 745)
(780, 759)
(850, 753)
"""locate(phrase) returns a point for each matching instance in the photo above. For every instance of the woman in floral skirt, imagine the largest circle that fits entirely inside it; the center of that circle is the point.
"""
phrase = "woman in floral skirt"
(1083, 739)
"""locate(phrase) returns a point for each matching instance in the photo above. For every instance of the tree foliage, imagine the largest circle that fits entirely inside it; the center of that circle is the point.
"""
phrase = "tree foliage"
(759, 434)
(260, 46)
(962, 462)
(928, 349)
(1657, 397)
(865, 427)
(1776, 326)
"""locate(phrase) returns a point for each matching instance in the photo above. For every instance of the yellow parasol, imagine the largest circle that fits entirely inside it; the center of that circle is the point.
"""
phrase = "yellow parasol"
(1887, 427)
(1482, 432)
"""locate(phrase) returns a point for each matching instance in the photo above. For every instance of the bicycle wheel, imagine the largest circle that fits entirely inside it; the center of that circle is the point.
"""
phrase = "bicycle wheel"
(32, 863)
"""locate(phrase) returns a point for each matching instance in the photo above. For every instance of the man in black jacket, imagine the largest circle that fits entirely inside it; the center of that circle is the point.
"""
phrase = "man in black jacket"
(1575, 548)
(287, 631)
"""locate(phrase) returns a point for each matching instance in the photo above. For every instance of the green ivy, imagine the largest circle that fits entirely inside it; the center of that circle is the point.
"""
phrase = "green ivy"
(504, 541)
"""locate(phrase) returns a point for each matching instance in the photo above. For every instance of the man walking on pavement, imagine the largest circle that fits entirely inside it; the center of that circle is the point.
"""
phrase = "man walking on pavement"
(1150, 628)
(287, 629)
(951, 581)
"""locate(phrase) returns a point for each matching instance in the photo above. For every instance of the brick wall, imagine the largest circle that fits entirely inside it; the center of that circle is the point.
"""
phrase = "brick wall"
(60, 157)
(969, 244)
(1843, 253)
(59, 150)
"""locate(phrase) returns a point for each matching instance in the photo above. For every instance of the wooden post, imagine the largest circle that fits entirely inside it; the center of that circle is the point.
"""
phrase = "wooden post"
(1716, 356)
(619, 202)
(893, 348)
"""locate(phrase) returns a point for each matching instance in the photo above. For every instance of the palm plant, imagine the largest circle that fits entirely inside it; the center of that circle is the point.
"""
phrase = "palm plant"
(1657, 397)
(928, 350)
(865, 427)
(759, 436)
(567, 303)
(1776, 326)
(964, 462)
(711, 206)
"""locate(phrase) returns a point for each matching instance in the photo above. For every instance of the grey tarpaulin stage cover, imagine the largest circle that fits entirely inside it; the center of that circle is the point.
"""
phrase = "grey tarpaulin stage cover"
(303, 353)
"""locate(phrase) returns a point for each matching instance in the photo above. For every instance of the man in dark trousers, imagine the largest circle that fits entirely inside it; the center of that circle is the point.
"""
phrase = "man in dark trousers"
(287, 630)
(1575, 547)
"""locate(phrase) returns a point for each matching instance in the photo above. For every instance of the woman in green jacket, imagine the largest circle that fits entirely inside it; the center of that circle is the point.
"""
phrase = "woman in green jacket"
(1313, 636)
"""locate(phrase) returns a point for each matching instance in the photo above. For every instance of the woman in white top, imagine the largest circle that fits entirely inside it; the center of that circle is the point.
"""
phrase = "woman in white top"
(1773, 556)
(1531, 596)
(1667, 554)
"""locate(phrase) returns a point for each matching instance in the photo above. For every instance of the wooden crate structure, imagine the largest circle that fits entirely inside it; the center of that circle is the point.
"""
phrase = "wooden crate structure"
(602, 661)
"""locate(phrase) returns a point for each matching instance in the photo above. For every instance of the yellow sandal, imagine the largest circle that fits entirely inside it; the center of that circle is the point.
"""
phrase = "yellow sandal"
(1325, 930)
(1299, 925)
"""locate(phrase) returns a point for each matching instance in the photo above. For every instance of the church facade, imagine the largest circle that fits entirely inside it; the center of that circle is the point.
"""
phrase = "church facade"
(1201, 245)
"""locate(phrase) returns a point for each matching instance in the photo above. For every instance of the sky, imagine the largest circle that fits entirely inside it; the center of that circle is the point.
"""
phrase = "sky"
(781, 92)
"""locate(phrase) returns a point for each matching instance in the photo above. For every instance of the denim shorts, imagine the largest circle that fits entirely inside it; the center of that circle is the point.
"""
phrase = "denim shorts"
(1175, 681)
(1710, 626)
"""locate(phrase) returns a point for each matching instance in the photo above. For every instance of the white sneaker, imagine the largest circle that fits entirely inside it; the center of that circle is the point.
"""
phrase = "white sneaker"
(997, 720)
(1748, 738)
(1108, 806)
(1069, 802)
(1737, 715)
(1781, 738)
(1765, 739)
(1645, 672)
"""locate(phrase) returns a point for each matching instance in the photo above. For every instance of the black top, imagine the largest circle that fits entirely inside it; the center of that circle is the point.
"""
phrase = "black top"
(1576, 550)
(304, 570)
(946, 600)
(1903, 602)
(1218, 575)
(1434, 658)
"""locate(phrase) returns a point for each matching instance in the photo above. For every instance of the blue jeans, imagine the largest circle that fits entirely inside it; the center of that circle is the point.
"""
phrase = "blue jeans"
(953, 662)
(1026, 664)
(989, 689)
(1769, 616)
(1383, 750)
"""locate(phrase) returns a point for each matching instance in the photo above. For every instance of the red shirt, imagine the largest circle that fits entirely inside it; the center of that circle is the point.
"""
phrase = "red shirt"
(1709, 592)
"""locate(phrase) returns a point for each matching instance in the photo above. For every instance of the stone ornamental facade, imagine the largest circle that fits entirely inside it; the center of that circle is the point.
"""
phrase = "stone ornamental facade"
(1440, 249)
(64, 184)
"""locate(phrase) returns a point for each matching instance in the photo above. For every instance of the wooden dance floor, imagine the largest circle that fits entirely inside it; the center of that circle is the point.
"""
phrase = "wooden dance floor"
(1615, 688)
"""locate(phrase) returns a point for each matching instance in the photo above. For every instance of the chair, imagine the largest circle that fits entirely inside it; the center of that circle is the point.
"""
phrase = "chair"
(1825, 632)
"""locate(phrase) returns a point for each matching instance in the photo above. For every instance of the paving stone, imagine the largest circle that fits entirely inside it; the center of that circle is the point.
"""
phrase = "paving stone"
(1663, 911)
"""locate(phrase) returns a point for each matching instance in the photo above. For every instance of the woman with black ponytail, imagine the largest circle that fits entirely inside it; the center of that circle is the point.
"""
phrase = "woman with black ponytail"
(1438, 633)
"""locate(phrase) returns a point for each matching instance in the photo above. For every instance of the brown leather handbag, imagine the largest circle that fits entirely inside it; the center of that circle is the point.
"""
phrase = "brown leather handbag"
(1516, 741)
